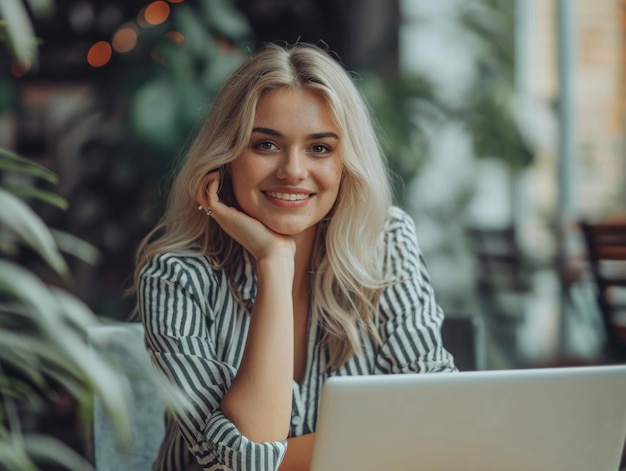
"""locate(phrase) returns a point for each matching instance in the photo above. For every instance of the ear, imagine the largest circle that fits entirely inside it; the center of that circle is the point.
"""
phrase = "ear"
(202, 195)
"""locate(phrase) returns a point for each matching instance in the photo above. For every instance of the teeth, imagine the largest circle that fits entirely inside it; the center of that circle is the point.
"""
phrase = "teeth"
(287, 196)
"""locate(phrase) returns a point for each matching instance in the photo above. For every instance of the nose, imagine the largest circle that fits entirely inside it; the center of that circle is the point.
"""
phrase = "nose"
(292, 165)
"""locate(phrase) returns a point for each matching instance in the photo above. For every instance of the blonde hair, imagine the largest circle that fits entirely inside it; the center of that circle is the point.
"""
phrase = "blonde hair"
(347, 260)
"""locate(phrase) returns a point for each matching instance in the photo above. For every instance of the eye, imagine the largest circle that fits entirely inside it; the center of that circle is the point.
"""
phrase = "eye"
(265, 146)
(321, 149)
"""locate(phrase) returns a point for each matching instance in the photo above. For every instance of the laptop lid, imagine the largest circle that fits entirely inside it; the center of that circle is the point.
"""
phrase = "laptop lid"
(548, 419)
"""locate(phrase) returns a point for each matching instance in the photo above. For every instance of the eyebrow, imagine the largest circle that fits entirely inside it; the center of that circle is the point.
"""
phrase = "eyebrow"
(318, 135)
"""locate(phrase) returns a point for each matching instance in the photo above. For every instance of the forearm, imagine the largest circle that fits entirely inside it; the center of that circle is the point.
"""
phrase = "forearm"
(259, 399)
(299, 453)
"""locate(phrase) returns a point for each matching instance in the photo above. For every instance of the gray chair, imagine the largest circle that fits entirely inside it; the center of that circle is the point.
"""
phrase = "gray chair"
(123, 345)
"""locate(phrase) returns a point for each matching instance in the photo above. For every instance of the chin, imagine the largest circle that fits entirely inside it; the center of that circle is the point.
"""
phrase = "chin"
(289, 229)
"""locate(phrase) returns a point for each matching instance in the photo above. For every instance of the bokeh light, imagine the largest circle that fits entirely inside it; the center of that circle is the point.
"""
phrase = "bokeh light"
(157, 12)
(99, 54)
(175, 36)
(124, 39)
(176, 1)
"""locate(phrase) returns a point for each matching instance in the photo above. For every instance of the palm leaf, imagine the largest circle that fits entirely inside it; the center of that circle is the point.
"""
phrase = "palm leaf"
(41, 7)
(75, 246)
(36, 193)
(21, 37)
(20, 218)
(14, 457)
(21, 391)
(63, 346)
(11, 161)
(48, 450)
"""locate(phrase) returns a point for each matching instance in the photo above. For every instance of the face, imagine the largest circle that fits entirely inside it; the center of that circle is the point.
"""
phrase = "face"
(288, 177)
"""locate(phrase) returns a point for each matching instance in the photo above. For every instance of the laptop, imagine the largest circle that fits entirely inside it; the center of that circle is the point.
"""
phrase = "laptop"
(545, 419)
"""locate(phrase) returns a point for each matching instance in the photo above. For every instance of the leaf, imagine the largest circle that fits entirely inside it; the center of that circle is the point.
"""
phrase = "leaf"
(154, 114)
(21, 391)
(216, 72)
(77, 247)
(12, 161)
(111, 386)
(22, 39)
(49, 450)
(42, 195)
(51, 361)
(225, 18)
(22, 357)
(197, 37)
(20, 218)
(65, 347)
(46, 308)
(61, 345)
(75, 310)
(13, 457)
(41, 7)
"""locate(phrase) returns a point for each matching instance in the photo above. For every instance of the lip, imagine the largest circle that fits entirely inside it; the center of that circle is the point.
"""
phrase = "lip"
(288, 197)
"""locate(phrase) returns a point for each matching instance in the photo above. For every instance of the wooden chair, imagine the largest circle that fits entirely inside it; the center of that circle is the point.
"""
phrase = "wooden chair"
(606, 253)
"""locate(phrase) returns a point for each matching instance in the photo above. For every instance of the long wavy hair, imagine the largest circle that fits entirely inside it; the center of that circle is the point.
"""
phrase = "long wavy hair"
(347, 271)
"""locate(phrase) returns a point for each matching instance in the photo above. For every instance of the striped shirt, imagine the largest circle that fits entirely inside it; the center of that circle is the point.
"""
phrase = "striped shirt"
(196, 331)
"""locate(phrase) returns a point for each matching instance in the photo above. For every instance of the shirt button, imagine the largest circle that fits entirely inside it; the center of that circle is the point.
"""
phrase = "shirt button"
(296, 420)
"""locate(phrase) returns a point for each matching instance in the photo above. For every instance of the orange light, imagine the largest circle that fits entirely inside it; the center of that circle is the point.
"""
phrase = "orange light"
(176, 1)
(175, 36)
(99, 54)
(124, 39)
(157, 12)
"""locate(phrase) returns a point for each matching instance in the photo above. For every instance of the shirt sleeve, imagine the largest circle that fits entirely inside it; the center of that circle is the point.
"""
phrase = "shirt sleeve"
(178, 341)
(409, 317)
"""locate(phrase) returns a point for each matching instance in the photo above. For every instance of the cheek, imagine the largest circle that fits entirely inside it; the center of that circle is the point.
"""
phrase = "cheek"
(243, 170)
(335, 177)
(240, 182)
(241, 192)
(339, 182)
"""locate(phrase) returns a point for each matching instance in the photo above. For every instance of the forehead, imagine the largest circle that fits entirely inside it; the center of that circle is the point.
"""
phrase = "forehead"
(294, 107)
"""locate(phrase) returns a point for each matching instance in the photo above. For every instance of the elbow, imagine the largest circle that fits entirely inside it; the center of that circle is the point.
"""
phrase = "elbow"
(258, 426)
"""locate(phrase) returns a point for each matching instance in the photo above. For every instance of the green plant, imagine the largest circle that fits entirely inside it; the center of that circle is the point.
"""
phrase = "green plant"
(44, 349)
(408, 107)
(145, 105)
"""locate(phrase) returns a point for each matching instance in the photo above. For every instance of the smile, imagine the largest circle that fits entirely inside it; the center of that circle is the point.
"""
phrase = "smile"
(288, 196)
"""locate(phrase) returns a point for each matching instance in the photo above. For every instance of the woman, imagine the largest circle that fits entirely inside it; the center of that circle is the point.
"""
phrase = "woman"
(279, 262)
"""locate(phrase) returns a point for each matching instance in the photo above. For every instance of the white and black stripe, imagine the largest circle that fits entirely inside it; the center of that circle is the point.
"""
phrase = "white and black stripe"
(196, 330)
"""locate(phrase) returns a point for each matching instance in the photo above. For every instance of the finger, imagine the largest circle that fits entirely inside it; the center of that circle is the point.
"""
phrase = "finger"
(213, 186)
(214, 182)
(206, 195)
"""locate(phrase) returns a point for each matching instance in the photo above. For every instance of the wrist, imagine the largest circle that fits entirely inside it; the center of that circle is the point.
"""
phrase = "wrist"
(278, 264)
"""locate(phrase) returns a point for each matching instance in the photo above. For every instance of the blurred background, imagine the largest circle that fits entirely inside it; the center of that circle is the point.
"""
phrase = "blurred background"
(503, 121)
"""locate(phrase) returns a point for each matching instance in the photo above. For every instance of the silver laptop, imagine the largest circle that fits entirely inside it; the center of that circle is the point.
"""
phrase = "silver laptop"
(548, 419)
